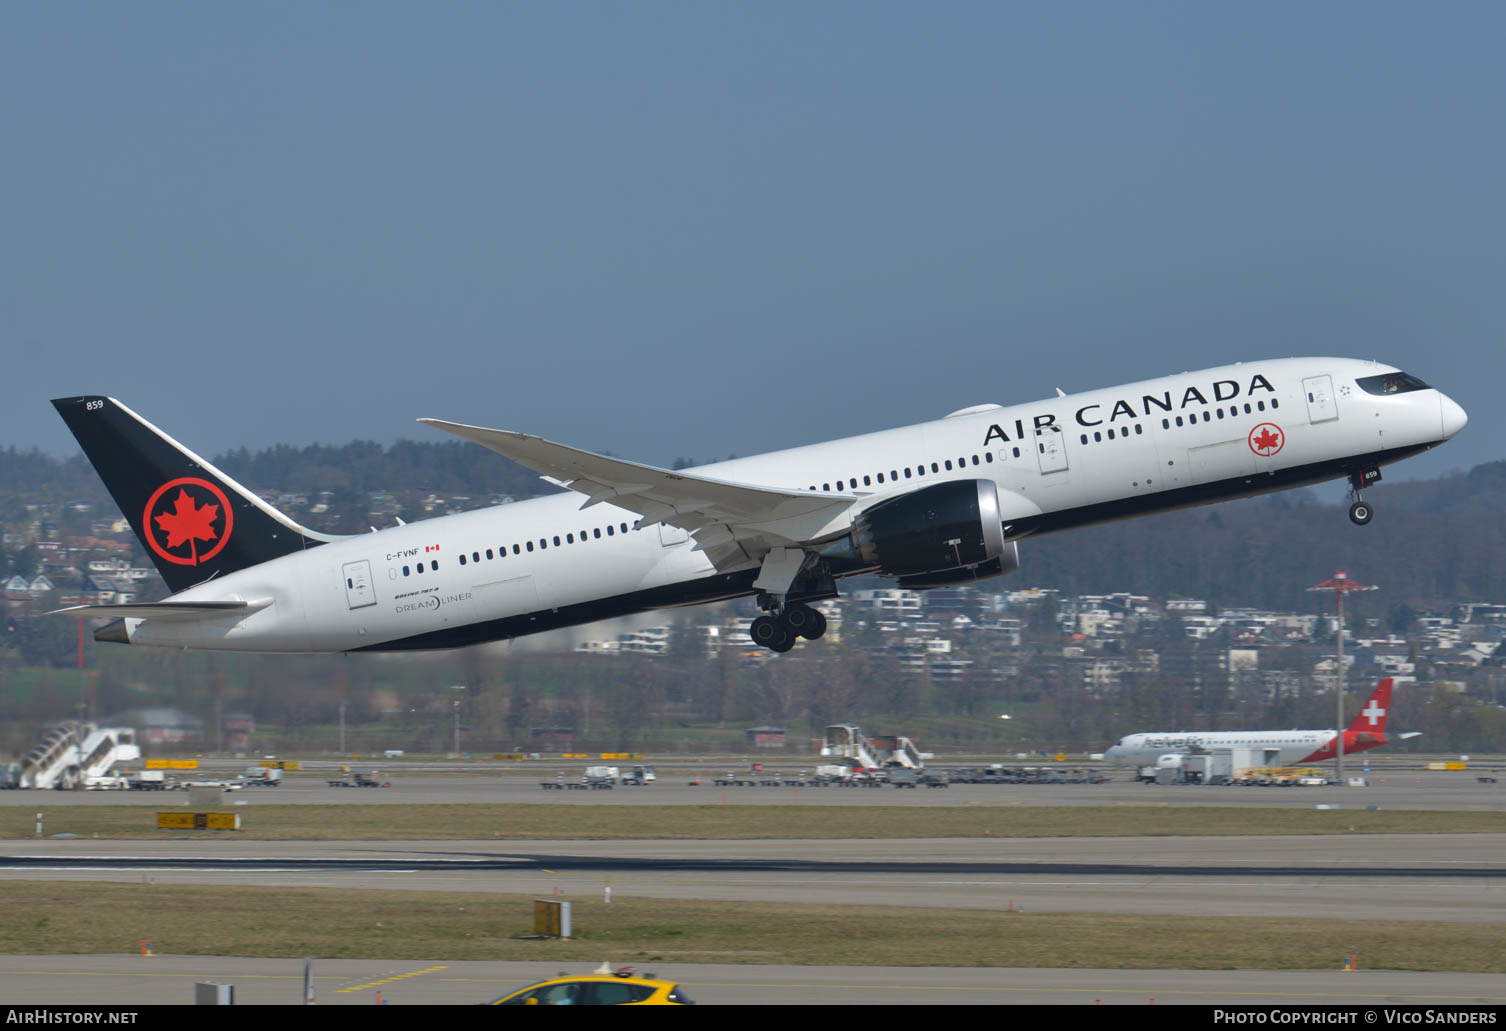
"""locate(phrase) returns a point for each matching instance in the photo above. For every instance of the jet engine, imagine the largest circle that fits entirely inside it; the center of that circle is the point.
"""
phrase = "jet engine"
(1009, 562)
(949, 529)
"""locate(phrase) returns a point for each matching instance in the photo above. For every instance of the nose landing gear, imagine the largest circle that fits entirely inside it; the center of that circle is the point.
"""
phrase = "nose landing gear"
(1360, 510)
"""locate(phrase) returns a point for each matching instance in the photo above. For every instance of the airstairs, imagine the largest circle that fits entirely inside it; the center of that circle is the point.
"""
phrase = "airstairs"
(846, 740)
(75, 755)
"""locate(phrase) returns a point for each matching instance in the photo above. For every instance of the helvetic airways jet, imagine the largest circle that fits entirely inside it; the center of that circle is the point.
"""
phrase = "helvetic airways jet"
(1282, 747)
(940, 503)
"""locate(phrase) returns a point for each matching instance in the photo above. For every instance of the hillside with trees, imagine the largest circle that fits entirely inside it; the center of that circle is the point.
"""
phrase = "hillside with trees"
(1433, 543)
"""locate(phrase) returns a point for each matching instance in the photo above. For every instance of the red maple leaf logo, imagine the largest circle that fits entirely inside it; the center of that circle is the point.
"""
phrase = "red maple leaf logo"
(1266, 439)
(189, 522)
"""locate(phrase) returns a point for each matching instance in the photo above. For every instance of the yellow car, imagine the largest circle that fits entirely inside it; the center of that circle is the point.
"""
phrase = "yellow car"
(619, 989)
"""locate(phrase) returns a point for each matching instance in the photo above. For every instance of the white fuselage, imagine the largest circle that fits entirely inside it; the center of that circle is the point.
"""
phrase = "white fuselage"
(1290, 746)
(1065, 461)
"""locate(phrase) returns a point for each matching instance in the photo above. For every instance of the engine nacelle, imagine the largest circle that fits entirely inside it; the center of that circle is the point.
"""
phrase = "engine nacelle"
(1009, 562)
(944, 528)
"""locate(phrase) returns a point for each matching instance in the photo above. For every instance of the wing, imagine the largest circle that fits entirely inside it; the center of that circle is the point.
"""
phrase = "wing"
(732, 522)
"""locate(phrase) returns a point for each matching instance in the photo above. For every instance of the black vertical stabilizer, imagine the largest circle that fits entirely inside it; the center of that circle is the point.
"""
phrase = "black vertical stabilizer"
(195, 522)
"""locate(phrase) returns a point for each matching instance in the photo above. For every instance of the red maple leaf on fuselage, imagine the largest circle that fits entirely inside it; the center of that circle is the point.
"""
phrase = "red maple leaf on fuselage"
(188, 522)
(1266, 440)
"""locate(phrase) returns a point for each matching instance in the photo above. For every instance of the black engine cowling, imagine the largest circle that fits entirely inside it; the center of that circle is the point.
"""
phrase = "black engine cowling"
(1009, 563)
(947, 527)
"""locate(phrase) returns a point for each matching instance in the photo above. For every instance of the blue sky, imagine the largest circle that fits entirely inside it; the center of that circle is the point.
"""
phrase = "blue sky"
(705, 228)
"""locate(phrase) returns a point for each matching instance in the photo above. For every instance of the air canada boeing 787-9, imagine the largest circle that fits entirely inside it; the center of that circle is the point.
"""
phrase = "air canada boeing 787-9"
(930, 505)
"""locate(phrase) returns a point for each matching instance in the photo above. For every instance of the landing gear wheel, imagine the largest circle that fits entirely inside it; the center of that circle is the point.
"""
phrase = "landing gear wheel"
(773, 633)
(805, 621)
(797, 617)
(809, 623)
(1361, 513)
(764, 631)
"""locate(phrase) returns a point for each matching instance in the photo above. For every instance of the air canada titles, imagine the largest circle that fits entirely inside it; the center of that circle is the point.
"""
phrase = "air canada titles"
(1093, 413)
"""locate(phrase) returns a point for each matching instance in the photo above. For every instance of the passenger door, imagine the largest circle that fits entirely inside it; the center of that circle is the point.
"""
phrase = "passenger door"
(1051, 448)
(1320, 403)
(359, 590)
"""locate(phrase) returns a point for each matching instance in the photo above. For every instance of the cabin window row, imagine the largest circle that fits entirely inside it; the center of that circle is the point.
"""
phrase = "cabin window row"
(1232, 410)
(528, 546)
(946, 465)
(1123, 434)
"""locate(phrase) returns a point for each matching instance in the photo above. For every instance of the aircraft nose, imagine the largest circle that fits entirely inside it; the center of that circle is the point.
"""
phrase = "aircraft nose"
(1454, 417)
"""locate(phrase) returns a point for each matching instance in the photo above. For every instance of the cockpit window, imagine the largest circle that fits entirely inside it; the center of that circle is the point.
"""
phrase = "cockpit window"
(1391, 383)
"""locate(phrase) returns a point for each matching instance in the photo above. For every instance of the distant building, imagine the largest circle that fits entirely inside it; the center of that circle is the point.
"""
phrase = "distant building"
(238, 727)
(551, 739)
(765, 737)
(18, 588)
(162, 726)
(1243, 659)
(892, 601)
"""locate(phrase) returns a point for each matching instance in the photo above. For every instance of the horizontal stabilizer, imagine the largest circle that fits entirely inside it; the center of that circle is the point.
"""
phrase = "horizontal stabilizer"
(1409, 734)
(171, 611)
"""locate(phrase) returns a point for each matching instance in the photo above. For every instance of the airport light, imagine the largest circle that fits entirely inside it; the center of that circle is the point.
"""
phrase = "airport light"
(1340, 584)
(456, 706)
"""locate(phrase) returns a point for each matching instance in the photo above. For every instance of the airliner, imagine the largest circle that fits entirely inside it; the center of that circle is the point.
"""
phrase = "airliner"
(940, 503)
(1281, 747)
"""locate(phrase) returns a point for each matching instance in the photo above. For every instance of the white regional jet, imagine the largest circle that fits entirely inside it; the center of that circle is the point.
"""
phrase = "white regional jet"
(1282, 747)
(943, 502)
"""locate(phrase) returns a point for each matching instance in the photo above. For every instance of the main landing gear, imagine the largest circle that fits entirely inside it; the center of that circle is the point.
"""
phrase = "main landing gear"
(778, 631)
(788, 578)
(1360, 511)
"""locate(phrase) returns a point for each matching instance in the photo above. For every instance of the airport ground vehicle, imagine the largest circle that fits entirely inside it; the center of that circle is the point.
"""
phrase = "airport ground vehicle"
(640, 775)
(74, 754)
(262, 777)
(148, 780)
(358, 779)
(228, 785)
(106, 782)
(619, 989)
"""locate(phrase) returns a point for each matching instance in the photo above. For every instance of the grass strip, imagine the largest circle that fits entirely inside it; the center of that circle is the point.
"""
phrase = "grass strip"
(52, 918)
(521, 822)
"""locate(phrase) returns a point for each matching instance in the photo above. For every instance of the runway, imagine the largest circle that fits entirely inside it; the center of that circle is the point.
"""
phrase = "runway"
(1460, 878)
